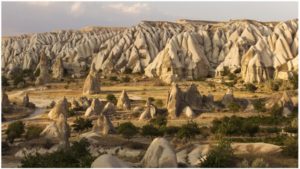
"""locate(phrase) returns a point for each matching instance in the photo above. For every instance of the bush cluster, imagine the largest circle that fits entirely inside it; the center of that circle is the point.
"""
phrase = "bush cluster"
(77, 156)
(234, 126)
(81, 124)
(15, 130)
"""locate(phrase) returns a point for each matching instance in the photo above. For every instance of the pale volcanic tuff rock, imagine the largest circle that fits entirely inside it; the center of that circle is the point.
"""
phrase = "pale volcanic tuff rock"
(43, 69)
(159, 154)
(103, 125)
(184, 102)
(95, 108)
(124, 101)
(91, 83)
(170, 51)
(61, 107)
(182, 58)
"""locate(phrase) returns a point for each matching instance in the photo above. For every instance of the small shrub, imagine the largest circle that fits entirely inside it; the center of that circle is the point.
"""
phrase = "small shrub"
(70, 113)
(259, 105)
(233, 106)
(259, 163)
(250, 87)
(159, 103)
(125, 79)
(127, 70)
(127, 130)
(290, 147)
(294, 80)
(150, 130)
(113, 78)
(220, 156)
(274, 85)
(15, 130)
(171, 130)
(226, 71)
(111, 98)
(4, 81)
(33, 132)
(231, 76)
(18, 79)
(276, 110)
(81, 124)
(188, 131)
(159, 121)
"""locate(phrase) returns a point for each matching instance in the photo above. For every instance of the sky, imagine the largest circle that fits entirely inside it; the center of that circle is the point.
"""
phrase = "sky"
(44, 16)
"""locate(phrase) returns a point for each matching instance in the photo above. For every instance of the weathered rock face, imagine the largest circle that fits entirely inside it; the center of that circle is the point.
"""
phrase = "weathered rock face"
(59, 129)
(43, 77)
(5, 100)
(109, 161)
(170, 51)
(124, 101)
(182, 58)
(109, 109)
(103, 125)
(91, 83)
(26, 100)
(190, 99)
(61, 107)
(95, 108)
(228, 98)
(58, 69)
(159, 154)
(174, 102)
(149, 112)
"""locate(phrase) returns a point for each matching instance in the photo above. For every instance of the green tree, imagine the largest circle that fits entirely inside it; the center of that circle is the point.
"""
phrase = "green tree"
(33, 132)
(78, 156)
(81, 124)
(188, 131)
(151, 131)
(127, 130)
(220, 156)
(111, 98)
(250, 87)
(15, 130)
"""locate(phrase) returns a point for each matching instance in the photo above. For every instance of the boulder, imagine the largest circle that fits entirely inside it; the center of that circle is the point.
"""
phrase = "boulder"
(109, 161)
(159, 154)
(124, 101)
(188, 112)
(149, 112)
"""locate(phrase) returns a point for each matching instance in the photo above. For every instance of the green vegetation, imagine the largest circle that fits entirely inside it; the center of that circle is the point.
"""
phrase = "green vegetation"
(294, 80)
(220, 156)
(274, 85)
(159, 103)
(4, 81)
(188, 131)
(290, 147)
(113, 78)
(171, 130)
(159, 121)
(70, 113)
(15, 130)
(127, 70)
(78, 156)
(234, 126)
(234, 107)
(151, 131)
(81, 124)
(127, 130)
(111, 98)
(250, 87)
(259, 105)
(125, 79)
(33, 132)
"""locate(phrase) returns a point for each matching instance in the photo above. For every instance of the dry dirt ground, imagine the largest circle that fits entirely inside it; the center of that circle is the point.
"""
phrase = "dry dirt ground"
(137, 91)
